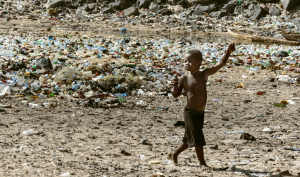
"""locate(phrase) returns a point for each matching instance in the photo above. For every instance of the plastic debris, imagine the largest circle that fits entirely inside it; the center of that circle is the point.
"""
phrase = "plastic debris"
(4, 89)
(66, 174)
(142, 157)
(28, 132)
(241, 132)
(240, 163)
(266, 129)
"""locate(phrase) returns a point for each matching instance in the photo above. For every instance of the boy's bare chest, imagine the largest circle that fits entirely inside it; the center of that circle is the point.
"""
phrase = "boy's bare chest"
(195, 83)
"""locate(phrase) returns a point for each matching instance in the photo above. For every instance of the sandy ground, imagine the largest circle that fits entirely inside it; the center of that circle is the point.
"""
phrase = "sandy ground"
(94, 140)
(108, 142)
(108, 29)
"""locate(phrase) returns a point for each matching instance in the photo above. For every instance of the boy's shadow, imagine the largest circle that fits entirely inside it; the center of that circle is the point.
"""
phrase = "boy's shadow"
(253, 173)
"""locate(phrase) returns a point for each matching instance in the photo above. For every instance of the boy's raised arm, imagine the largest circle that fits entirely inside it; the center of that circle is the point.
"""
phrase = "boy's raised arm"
(222, 62)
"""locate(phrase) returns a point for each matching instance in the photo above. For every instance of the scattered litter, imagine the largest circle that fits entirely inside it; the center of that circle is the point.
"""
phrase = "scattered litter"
(293, 149)
(28, 132)
(142, 157)
(236, 132)
(240, 163)
(154, 162)
(266, 129)
(66, 174)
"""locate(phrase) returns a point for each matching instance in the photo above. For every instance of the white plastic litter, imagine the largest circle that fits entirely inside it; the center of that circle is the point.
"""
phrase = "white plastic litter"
(142, 157)
(266, 129)
(4, 89)
(66, 174)
(27, 132)
(291, 102)
(240, 163)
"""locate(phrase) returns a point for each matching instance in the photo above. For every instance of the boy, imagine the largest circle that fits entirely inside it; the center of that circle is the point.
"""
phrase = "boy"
(194, 85)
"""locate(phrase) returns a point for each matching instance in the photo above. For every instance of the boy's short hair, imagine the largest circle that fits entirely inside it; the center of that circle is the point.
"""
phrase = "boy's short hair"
(195, 54)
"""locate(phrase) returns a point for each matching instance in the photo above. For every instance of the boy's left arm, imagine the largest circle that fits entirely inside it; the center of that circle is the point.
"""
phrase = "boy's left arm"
(222, 62)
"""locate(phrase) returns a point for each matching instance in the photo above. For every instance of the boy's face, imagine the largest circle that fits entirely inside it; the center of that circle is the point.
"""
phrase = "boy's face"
(192, 63)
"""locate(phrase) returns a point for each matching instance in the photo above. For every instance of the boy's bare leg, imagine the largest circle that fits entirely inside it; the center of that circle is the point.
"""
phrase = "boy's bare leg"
(200, 155)
(173, 155)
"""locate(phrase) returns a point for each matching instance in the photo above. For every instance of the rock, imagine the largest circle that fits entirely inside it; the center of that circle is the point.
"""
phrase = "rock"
(81, 1)
(229, 8)
(274, 85)
(214, 147)
(186, 13)
(62, 150)
(296, 21)
(90, 1)
(255, 12)
(37, 3)
(247, 136)
(67, 74)
(285, 13)
(289, 4)
(264, 7)
(174, 2)
(209, 8)
(193, 2)
(246, 4)
(144, 3)
(282, 54)
(179, 123)
(184, 3)
(81, 9)
(153, 7)
(107, 10)
(227, 18)
(218, 14)
(239, 10)
(114, 5)
(145, 141)
(44, 63)
(92, 6)
(18, 66)
(55, 3)
(285, 173)
(197, 13)
(126, 153)
(30, 169)
(121, 4)
(274, 11)
(72, 5)
(268, 1)
(165, 11)
(178, 9)
(131, 11)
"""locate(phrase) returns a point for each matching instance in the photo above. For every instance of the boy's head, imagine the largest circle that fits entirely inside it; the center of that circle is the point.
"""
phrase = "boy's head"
(193, 60)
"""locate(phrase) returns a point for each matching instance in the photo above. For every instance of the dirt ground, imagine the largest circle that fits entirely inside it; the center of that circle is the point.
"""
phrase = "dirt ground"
(97, 142)
(109, 142)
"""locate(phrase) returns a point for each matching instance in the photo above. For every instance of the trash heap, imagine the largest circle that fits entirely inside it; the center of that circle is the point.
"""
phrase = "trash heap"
(80, 68)
(267, 18)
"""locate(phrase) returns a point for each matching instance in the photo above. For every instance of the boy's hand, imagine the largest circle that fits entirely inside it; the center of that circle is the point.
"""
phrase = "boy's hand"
(231, 48)
(174, 81)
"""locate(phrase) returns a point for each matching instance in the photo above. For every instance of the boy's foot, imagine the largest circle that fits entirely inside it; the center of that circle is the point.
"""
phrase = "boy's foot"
(204, 167)
(173, 158)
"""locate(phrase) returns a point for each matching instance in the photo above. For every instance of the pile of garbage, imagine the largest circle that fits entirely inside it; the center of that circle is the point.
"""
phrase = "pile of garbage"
(63, 68)
(267, 17)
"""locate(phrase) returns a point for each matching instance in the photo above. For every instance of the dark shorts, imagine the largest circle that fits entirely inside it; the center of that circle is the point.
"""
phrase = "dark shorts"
(193, 135)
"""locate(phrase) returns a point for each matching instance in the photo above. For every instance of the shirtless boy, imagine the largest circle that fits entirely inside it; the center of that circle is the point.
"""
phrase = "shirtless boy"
(194, 85)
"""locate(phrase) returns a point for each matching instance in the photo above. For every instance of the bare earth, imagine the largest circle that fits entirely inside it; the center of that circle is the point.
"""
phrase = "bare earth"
(98, 142)
(93, 140)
